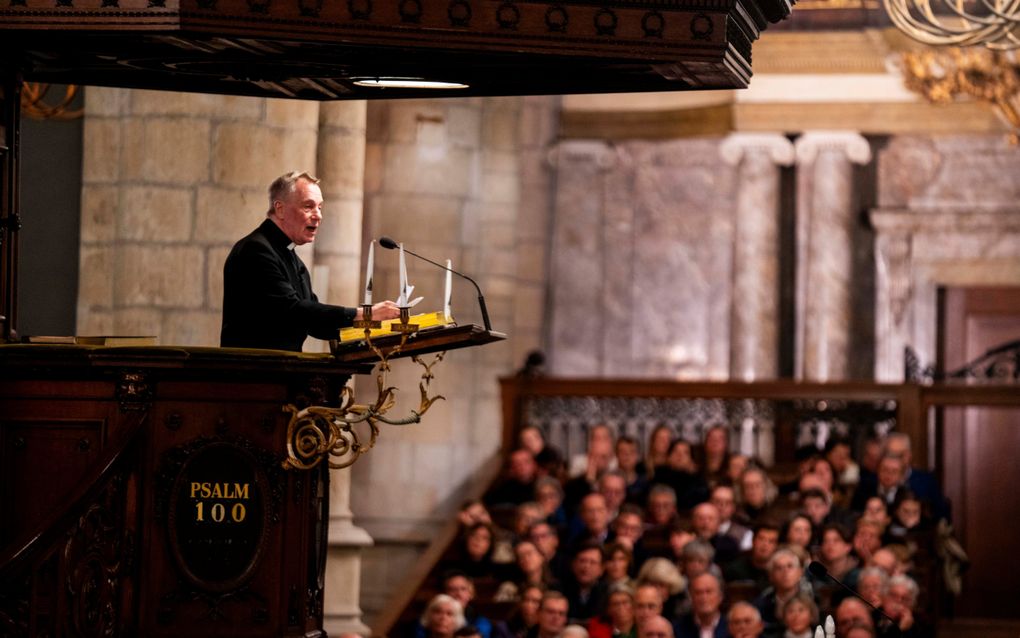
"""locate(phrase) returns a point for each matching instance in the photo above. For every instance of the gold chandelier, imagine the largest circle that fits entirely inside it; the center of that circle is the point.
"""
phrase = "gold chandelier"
(971, 52)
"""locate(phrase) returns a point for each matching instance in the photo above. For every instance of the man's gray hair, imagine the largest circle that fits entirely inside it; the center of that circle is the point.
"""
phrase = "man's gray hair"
(284, 185)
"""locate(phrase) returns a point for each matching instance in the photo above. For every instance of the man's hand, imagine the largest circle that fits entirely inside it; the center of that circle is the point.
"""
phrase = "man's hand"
(381, 311)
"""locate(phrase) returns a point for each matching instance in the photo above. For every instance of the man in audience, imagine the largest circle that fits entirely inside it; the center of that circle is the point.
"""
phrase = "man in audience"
(584, 588)
(628, 529)
(850, 613)
(753, 565)
(661, 516)
(518, 486)
(460, 587)
(890, 475)
(594, 522)
(725, 500)
(744, 621)
(705, 518)
(600, 459)
(705, 618)
(756, 495)
(656, 627)
(838, 453)
(682, 475)
(618, 619)
(581, 464)
(922, 482)
(817, 505)
(613, 487)
(647, 604)
(898, 604)
(628, 461)
(552, 616)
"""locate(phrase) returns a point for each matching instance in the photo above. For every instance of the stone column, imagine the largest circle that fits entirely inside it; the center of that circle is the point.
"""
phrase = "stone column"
(754, 315)
(337, 280)
(825, 221)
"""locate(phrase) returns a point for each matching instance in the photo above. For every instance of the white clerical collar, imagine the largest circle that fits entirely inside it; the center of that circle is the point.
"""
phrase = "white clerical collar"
(291, 246)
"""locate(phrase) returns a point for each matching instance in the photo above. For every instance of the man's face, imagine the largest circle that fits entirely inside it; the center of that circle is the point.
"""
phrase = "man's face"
(752, 487)
(299, 213)
(662, 508)
(587, 567)
(898, 447)
(529, 559)
(706, 520)
(627, 455)
(442, 619)
(725, 502)
(614, 489)
(851, 612)
(531, 600)
(897, 601)
(647, 604)
(522, 466)
(705, 595)
(552, 616)
(600, 454)
(628, 528)
(764, 544)
(655, 627)
(839, 456)
(833, 546)
(621, 609)
(594, 513)
(460, 589)
(545, 539)
(890, 472)
(744, 622)
(786, 573)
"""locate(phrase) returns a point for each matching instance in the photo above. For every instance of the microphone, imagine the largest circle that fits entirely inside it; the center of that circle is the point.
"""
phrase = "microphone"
(390, 243)
(818, 570)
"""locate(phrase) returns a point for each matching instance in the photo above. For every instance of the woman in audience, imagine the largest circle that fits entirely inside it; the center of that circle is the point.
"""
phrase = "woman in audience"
(716, 453)
(800, 615)
(798, 531)
(443, 616)
(877, 511)
(617, 559)
(665, 576)
(907, 516)
(628, 462)
(474, 552)
(549, 496)
(532, 568)
(548, 458)
(525, 616)
(657, 453)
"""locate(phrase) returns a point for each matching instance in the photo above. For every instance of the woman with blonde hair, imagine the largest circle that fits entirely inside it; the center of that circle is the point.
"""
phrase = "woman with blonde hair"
(442, 617)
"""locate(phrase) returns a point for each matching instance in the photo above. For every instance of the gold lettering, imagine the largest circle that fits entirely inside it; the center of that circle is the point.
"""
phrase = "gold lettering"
(241, 491)
(194, 488)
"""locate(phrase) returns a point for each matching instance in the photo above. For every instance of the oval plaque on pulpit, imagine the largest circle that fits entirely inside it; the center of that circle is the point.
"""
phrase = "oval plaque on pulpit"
(218, 519)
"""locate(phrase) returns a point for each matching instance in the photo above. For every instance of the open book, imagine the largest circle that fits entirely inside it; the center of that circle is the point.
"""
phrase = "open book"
(424, 321)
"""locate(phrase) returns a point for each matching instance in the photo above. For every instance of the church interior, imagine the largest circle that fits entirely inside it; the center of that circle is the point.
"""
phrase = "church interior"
(814, 227)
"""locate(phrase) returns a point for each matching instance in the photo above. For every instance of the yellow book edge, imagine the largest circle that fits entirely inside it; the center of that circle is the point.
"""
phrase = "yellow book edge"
(94, 340)
(425, 321)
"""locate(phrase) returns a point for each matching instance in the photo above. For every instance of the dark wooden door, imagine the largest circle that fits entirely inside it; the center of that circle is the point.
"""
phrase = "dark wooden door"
(978, 453)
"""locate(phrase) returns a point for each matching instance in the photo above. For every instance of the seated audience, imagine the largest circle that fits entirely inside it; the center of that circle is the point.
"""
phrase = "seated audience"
(818, 506)
(908, 517)
(898, 604)
(786, 580)
(549, 496)
(526, 516)
(460, 587)
(664, 575)
(724, 498)
(600, 460)
(600, 436)
(618, 619)
(876, 511)
(715, 454)
(835, 552)
(800, 616)
(574, 631)
(756, 493)
(628, 529)
(681, 474)
(888, 479)
(518, 483)
(922, 482)
(583, 586)
(706, 616)
(548, 458)
(616, 571)
(752, 566)
(744, 621)
(656, 627)
(852, 613)
(524, 617)
(867, 539)
(839, 454)
(799, 531)
(593, 516)
(657, 454)
(661, 515)
(705, 518)
(545, 538)
(630, 466)
(871, 583)
(442, 617)
(552, 616)
(647, 603)
(473, 553)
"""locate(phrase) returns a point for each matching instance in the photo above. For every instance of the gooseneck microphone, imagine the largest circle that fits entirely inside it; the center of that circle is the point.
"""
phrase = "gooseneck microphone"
(818, 570)
(390, 243)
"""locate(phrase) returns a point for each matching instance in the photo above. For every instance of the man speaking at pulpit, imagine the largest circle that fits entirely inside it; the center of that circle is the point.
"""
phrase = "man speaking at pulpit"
(267, 293)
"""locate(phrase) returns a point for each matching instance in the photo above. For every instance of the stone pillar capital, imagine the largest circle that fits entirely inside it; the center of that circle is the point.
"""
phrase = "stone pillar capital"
(851, 144)
(736, 146)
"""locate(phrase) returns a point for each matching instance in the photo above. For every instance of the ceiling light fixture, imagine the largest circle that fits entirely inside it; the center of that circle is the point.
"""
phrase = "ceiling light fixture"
(407, 83)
